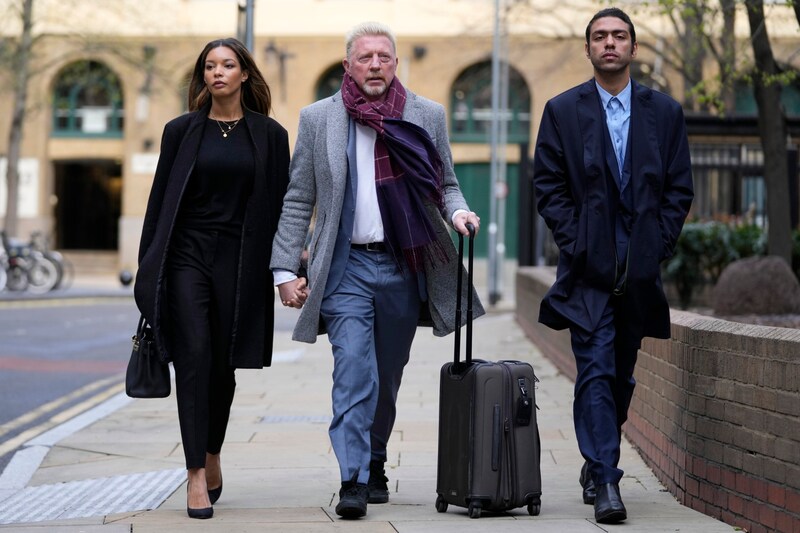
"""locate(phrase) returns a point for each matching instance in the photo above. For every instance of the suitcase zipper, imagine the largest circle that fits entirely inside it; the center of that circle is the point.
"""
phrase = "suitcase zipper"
(508, 497)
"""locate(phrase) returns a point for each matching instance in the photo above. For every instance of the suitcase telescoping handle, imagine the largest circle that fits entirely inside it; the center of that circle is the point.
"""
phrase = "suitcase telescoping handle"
(459, 285)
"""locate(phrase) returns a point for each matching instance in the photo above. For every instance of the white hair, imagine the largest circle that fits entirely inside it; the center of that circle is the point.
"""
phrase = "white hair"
(368, 28)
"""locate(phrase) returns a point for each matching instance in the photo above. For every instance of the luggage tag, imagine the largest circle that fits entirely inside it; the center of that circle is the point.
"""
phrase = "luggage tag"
(524, 404)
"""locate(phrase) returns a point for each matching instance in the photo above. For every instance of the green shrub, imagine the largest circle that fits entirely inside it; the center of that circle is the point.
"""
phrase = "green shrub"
(705, 248)
(683, 268)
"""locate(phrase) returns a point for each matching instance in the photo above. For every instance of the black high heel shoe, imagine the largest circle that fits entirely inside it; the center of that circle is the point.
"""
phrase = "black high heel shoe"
(206, 512)
(202, 512)
(214, 494)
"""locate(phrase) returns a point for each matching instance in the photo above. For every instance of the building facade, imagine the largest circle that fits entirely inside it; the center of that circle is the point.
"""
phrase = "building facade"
(107, 76)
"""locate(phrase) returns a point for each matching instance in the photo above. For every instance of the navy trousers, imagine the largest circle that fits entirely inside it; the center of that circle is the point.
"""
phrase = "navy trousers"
(201, 290)
(371, 318)
(604, 387)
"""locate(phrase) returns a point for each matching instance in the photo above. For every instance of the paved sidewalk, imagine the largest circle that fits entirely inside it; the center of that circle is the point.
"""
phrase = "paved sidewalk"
(280, 474)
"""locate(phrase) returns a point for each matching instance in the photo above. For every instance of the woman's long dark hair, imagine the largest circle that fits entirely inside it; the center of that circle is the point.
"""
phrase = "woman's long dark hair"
(255, 91)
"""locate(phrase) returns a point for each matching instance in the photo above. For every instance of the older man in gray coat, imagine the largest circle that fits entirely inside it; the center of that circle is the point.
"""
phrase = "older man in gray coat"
(374, 160)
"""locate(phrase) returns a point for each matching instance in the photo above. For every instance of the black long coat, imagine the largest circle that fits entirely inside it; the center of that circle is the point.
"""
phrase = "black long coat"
(251, 341)
(578, 202)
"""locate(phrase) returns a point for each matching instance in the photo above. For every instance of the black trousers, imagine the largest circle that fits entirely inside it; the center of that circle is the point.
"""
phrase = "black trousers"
(201, 287)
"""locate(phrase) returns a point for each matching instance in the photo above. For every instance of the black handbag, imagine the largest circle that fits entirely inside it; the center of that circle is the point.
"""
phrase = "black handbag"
(147, 376)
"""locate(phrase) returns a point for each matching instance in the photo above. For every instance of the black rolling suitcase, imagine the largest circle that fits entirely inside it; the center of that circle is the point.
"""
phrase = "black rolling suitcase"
(489, 453)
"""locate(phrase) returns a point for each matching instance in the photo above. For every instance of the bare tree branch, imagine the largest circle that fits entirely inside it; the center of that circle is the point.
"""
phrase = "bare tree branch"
(20, 60)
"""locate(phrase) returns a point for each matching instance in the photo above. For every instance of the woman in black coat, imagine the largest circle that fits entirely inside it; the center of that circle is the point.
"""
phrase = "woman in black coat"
(204, 283)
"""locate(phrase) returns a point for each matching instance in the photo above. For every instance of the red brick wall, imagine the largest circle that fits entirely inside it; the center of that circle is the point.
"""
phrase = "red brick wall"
(716, 413)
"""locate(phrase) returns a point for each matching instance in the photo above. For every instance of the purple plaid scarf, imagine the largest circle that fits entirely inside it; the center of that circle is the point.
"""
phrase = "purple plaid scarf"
(408, 170)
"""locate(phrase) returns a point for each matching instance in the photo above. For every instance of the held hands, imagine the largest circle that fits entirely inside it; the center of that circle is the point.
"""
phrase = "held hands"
(294, 293)
(461, 220)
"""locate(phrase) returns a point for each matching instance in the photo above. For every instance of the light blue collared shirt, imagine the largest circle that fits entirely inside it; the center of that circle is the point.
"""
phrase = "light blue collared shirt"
(618, 121)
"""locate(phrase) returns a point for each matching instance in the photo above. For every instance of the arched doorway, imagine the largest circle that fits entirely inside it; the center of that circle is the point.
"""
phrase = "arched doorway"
(471, 104)
(470, 122)
(89, 204)
(330, 81)
(87, 105)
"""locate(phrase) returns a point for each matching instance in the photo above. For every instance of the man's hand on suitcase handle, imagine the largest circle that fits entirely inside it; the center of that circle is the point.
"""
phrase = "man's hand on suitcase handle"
(465, 218)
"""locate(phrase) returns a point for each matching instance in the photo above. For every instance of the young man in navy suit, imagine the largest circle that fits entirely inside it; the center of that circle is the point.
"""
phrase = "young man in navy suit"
(613, 181)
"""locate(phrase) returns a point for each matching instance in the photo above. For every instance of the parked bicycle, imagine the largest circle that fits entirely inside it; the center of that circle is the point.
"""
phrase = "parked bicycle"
(66, 273)
(30, 265)
(3, 268)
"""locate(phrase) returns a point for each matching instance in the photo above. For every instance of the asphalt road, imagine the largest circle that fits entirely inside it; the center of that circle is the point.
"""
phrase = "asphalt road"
(59, 358)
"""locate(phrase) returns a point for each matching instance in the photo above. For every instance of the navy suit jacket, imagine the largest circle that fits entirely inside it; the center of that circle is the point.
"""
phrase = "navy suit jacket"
(575, 185)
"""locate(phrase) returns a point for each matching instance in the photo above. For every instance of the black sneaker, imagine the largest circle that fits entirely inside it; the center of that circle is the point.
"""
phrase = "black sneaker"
(378, 490)
(352, 500)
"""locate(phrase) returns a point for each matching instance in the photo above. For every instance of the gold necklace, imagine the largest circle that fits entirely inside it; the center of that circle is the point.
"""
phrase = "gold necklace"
(229, 126)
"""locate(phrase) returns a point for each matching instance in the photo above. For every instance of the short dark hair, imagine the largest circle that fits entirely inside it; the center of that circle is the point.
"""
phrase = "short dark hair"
(255, 93)
(612, 12)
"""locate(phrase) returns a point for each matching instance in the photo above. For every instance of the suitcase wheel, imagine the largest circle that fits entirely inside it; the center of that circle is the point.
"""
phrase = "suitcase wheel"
(474, 509)
(441, 505)
(534, 508)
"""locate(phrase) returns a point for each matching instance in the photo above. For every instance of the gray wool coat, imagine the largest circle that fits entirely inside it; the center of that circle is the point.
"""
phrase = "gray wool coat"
(317, 179)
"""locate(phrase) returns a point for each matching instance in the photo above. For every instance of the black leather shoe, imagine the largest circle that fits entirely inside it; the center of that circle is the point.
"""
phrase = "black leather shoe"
(206, 512)
(608, 507)
(377, 484)
(352, 500)
(214, 494)
(589, 490)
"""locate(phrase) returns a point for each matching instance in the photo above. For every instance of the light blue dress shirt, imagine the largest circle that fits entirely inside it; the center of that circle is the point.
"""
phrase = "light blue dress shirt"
(618, 119)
